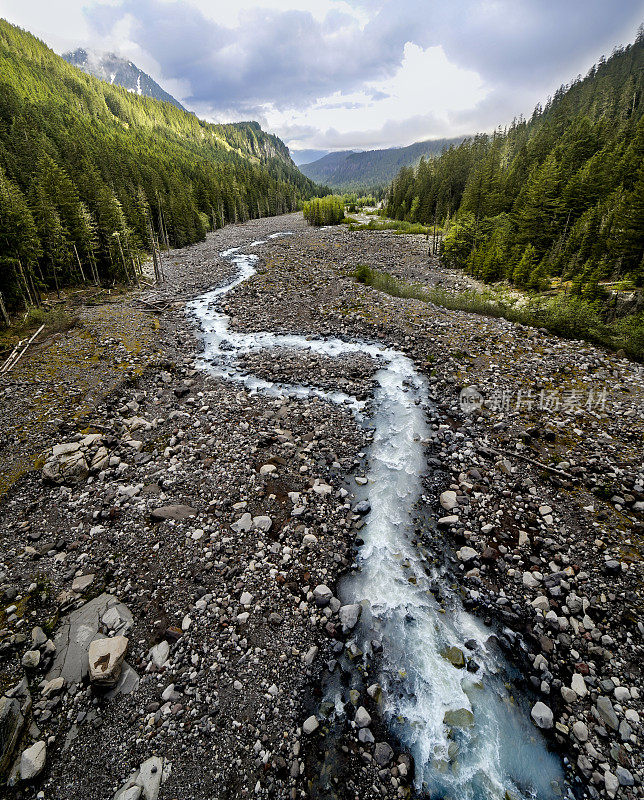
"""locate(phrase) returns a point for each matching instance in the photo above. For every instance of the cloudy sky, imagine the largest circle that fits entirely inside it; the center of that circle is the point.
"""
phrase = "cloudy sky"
(347, 74)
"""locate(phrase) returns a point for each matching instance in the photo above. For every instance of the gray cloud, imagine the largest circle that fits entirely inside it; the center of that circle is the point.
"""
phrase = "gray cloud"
(522, 49)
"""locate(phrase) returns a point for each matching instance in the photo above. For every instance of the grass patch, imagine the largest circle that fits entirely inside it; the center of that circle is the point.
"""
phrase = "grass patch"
(565, 316)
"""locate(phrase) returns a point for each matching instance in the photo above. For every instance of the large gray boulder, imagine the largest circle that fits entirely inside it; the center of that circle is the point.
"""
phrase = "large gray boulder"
(78, 630)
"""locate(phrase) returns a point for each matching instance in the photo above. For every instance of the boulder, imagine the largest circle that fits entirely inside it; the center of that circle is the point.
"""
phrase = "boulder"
(75, 634)
(177, 513)
(448, 500)
(147, 780)
(310, 725)
(458, 718)
(349, 616)
(542, 716)
(382, 754)
(455, 656)
(106, 660)
(32, 761)
(362, 717)
(12, 723)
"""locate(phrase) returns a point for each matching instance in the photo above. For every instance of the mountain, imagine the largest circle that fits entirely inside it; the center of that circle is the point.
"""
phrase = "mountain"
(91, 174)
(559, 196)
(115, 70)
(306, 156)
(348, 170)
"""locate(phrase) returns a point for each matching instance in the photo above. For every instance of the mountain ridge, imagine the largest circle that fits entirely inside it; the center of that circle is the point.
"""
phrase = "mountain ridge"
(370, 170)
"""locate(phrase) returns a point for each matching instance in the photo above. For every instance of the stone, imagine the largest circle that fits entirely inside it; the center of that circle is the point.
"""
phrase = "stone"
(578, 685)
(322, 595)
(32, 761)
(349, 615)
(53, 687)
(38, 636)
(382, 754)
(243, 524)
(542, 716)
(362, 717)
(75, 634)
(66, 465)
(448, 521)
(82, 582)
(362, 508)
(106, 659)
(246, 599)
(147, 780)
(624, 777)
(31, 659)
(466, 554)
(159, 653)
(12, 722)
(175, 512)
(448, 500)
(458, 718)
(455, 656)
(568, 695)
(606, 712)
(580, 729)
(267, 469)
(611, 782)
(262, 523)
(310, 725)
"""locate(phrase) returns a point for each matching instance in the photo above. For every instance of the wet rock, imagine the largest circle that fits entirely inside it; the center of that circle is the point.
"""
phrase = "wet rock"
(458, 718)
(455, 657)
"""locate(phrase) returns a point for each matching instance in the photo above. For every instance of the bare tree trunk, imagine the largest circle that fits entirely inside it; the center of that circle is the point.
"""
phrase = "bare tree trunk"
(80, 266)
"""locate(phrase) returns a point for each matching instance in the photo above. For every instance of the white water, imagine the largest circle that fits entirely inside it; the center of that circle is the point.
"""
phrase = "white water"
(501, 751)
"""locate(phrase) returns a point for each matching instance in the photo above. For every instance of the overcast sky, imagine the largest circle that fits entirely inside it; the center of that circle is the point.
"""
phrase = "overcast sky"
(347, 74)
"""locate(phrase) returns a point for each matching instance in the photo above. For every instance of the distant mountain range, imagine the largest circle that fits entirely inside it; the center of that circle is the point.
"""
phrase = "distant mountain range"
(114, 69)
(349, 170)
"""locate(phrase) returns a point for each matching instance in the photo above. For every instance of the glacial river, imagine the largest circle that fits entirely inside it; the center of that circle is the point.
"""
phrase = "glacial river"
(470, 737)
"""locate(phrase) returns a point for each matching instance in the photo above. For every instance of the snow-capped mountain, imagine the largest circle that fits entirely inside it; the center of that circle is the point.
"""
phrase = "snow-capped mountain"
(114, 69)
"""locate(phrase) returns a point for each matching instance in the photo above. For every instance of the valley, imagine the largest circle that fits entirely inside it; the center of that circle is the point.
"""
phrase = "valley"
(219, 504)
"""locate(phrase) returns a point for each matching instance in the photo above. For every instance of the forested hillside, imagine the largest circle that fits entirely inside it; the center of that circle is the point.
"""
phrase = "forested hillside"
(372, 170)
(90, 172)
(558, 196)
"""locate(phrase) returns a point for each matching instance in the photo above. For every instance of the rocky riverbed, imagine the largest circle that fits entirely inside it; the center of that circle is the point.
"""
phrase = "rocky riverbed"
(170, 577)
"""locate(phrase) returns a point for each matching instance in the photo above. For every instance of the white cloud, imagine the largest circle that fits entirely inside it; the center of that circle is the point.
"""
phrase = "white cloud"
(425, 92)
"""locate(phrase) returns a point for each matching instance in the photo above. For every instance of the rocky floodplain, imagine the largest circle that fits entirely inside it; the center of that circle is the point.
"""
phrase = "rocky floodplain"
(170, 575)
